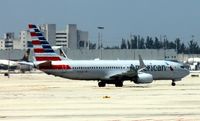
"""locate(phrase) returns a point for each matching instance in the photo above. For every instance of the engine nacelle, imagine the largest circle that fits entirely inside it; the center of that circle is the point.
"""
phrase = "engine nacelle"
(144, 78)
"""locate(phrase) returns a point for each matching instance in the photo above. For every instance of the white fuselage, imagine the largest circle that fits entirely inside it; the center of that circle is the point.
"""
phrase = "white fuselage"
(193, 60)
(104, 69)
(5, 64)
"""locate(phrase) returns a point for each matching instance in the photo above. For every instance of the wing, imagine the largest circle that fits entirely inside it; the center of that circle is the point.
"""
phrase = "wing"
(133, 72)
(123, 75)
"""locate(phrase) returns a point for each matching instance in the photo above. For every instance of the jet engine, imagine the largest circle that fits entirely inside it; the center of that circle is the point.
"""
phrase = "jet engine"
(143, 78)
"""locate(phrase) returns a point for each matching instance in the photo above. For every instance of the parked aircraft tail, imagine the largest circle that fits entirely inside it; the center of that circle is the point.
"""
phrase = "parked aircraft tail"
(61, 52)
(26, 56)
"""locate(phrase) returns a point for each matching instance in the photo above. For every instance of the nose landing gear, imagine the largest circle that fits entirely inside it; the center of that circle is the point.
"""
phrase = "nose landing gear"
(173, 83)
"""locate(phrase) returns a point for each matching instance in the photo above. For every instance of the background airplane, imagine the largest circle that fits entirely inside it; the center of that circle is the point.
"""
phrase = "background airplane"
(21, 64)
(105, 71)
(61, 51)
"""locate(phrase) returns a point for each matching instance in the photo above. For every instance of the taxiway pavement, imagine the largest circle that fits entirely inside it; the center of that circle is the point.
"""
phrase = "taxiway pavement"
(41, 97)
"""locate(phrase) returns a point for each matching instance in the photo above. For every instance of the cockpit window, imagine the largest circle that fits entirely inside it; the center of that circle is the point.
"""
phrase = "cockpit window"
(182, 67)
(172, 60)
(185, 66)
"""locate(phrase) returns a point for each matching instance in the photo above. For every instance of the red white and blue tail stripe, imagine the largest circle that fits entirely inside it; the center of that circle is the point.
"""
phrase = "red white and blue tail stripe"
(41, 47)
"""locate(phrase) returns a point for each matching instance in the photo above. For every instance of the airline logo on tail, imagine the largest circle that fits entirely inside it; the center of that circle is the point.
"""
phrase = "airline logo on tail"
(42, 48)
(44, 52)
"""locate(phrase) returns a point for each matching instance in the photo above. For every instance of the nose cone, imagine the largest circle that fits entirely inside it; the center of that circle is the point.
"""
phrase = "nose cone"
(185, 69)
(187, 72)
(182, 70)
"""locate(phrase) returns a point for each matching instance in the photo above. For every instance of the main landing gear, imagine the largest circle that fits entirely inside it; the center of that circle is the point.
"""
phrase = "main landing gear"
(117, 83)
(101, 84)
(173, 83)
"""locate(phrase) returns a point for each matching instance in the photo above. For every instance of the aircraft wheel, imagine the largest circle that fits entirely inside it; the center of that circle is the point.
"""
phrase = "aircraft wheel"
(119, 84)
(173, 84)
(6, 74)
(101, 84)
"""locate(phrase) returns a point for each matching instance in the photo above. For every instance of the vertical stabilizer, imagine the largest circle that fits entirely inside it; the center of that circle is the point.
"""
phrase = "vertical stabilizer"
(26, 56)
(41, 47)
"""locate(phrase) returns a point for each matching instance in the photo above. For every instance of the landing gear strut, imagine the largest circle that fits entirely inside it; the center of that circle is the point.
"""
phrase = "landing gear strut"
(173, 83)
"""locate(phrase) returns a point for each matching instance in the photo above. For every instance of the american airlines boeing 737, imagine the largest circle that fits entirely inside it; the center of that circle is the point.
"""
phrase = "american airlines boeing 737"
(104, 71)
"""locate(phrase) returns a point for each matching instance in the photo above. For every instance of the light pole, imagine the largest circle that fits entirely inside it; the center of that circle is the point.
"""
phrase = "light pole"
(9, 63)
(9, 59)
(192, 53)
(100, 44)
(165, 38)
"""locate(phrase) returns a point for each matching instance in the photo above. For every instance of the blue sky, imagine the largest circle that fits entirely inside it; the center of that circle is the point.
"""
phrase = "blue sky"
(173, 18)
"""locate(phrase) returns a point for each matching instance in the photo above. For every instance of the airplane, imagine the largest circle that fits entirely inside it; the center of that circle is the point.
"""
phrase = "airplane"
(61, 51)
(21, 64)
(104, 71)
(194, 63)
(193, 60)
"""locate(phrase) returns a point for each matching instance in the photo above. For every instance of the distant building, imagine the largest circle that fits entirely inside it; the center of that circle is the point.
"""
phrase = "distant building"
(71, 37)
(2, 44)
(9, 38)
(24, 38)
(49, 31)
(8, 41)
(82, 39)
(61, 38)
(11, 42)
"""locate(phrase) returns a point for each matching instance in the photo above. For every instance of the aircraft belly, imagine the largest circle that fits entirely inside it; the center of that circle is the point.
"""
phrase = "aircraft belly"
(160, 75)
(82, 75)
(86, 75)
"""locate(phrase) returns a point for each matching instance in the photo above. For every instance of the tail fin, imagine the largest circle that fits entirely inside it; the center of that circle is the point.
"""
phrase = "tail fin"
(41, 47)
(62, 53)
(26, 56)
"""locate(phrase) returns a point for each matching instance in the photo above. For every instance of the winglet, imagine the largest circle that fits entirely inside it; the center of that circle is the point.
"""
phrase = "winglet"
(142, 65)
